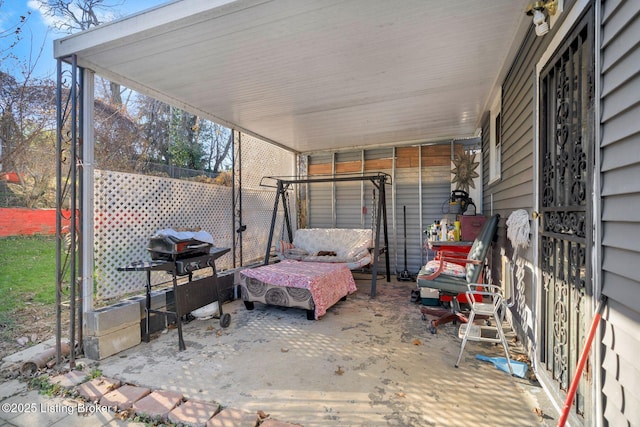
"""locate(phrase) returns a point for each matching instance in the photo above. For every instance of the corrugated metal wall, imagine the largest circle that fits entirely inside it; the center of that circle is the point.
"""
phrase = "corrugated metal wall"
(349, 194)
(380, 160)
(407, 193)
(321, 215)
(420, 181)
(620, 170)
(435, 193)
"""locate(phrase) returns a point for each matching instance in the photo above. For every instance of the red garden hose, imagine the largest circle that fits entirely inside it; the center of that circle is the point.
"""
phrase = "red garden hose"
(583, 359)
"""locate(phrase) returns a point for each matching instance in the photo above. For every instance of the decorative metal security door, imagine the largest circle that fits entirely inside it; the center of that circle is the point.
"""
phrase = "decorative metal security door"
(565, 230)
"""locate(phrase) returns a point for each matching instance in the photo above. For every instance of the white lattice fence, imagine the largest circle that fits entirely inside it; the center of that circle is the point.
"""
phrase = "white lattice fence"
(129, 209)
(261, 159)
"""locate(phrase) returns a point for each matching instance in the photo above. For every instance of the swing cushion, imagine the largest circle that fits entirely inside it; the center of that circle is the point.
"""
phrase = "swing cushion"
(351, 246)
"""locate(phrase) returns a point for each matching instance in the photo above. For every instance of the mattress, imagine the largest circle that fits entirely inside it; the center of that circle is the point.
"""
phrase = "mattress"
(310, 285)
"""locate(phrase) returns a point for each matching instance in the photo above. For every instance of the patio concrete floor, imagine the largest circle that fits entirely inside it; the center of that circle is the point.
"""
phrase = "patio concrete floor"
(367, 362)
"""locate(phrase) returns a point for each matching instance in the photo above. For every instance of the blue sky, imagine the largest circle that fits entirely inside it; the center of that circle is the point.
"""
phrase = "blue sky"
(38, 33)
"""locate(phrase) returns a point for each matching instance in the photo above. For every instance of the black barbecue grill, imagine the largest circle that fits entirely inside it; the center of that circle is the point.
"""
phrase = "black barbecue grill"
(181, 257)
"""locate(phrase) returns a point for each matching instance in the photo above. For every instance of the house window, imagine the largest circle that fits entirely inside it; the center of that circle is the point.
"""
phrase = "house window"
(495, 142)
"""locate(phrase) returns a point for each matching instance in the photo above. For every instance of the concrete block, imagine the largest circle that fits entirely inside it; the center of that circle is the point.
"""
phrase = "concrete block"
(193, 413)
(124, 396)
(158, 404)
(231, 417)
(158, 301)
(99, 347)
(96, 388)
(106, 320)
(157, 322)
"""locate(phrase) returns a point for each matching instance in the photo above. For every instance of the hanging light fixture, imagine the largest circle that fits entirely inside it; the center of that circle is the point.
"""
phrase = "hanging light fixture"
(536, 9)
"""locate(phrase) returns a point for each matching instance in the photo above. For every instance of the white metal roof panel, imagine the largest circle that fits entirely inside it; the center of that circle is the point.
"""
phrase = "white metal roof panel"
(313, 75)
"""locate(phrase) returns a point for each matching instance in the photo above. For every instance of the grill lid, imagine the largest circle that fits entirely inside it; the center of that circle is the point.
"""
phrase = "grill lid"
(170, 244)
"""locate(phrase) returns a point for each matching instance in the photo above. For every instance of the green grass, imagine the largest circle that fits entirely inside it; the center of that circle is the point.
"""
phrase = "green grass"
(27, 271)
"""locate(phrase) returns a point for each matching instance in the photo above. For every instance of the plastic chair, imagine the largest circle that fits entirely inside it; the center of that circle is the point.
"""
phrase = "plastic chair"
(490, 304)
(452, 285)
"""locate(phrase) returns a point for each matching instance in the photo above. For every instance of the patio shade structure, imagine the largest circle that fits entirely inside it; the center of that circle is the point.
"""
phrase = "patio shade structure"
(307, 76)
(310, 75)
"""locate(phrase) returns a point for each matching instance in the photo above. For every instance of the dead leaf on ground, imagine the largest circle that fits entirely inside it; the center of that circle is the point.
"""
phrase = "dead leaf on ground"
(521, 358)
(401, 394)
(417, 342)
(210, 328)
(339, 371)
(284, 350)
(262, 414)
(538, 412)
(123, 415)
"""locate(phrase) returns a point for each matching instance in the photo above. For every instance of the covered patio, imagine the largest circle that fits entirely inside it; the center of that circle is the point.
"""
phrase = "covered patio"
(365, 363)
(310, 78)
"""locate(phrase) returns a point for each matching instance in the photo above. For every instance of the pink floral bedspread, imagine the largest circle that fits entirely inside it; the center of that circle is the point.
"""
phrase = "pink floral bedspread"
(327, 282)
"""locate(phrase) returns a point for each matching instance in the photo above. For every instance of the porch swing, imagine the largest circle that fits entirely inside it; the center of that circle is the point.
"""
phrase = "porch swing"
(379, 214)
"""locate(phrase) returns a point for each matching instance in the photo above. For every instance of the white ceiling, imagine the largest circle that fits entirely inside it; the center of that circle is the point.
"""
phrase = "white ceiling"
(316, 75)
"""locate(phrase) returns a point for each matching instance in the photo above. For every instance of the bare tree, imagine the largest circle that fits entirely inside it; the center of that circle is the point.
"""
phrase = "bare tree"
(79, 15)
(117, 138)
(165, 134)
(27, 137)
(219, 141)
(12, 31)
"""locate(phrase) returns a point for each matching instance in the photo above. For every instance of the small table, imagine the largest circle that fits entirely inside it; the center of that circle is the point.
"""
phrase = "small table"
(206, 287)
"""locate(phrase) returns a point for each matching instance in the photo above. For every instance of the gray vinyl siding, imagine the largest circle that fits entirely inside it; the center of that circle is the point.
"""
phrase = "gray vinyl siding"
(620, 207)
(515, 189)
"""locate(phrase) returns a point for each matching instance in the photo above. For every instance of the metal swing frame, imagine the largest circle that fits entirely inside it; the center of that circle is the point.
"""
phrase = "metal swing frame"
(378, 179)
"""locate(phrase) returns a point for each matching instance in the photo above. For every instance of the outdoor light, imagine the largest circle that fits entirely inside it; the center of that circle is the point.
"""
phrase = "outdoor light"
(536, 10)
